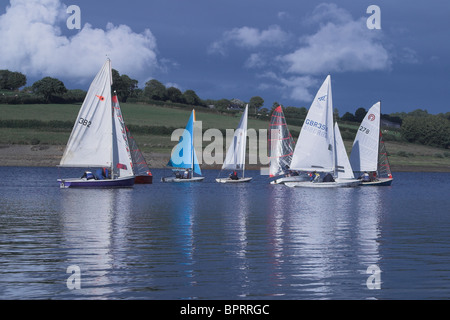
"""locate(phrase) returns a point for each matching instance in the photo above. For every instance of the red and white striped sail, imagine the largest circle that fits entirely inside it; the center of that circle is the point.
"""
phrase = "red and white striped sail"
(139, 165)
(281, 144)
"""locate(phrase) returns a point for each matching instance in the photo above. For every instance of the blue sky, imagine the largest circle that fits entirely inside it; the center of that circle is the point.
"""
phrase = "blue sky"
(279, 50)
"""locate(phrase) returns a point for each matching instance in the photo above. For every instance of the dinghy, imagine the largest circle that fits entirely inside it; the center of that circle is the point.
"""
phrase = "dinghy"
(368, 156)
(98, 140)
(320, 149)
(183, 161)
(235, 158)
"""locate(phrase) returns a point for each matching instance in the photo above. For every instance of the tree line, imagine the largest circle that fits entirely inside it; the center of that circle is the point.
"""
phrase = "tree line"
(417, 126)
(52, 90)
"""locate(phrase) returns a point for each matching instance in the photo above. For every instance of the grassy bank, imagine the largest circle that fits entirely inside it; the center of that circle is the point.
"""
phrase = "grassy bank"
(52, 124)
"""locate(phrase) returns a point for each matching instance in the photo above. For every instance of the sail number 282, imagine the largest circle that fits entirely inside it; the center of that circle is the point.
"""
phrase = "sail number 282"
(84, 122)
(364, 129)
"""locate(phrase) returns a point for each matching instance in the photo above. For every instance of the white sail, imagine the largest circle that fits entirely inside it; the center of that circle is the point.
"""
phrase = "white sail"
(344, 169)
(90, 143)
(364, 155)
(315, 146)
(235, 158)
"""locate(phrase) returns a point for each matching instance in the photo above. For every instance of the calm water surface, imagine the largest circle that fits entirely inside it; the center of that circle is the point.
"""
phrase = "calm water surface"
(213, 241)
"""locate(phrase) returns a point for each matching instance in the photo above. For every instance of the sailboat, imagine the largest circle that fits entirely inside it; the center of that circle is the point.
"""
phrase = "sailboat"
(183, 160)
(140, 167)
(281, 148)
(368, 151)
(98, 140)
(320, 148)
(235, 158)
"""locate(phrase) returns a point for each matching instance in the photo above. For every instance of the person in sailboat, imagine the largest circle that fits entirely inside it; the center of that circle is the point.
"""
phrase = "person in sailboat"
(99, 174)
(234, 175)
(289, 173)
(186, 174)
(314, 177)
(102, 174)
(365, 177)
(328, 178)
(88, 175)
(373, 176)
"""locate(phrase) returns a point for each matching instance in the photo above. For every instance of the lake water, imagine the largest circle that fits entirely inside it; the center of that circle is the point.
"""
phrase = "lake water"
(216, 241)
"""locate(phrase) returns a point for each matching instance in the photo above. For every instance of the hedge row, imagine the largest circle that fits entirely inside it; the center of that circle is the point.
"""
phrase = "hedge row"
(56, 125)
(36, 124)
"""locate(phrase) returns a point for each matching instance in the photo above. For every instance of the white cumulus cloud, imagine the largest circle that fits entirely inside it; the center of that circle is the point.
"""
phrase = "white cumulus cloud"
(292, 87)
(341, 44)
(248, 37)
(32, 43)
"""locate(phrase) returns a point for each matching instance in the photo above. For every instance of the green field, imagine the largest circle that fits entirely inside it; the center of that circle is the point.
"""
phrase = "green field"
(134, 114)
(401, 153)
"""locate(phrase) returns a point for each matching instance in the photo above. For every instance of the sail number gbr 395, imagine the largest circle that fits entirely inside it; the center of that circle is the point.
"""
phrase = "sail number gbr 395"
(84, 122)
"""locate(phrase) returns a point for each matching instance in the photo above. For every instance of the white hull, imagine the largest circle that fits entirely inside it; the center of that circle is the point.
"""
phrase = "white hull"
(228, 180)
(337, 184)
(283, 180)
(173, 179)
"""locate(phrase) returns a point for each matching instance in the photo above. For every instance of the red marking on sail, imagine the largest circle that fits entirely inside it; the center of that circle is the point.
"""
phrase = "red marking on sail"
(287, 138)
(121, 166)
(102, 98)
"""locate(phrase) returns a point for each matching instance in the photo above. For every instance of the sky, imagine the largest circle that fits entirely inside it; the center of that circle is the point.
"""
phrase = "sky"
(282, 51)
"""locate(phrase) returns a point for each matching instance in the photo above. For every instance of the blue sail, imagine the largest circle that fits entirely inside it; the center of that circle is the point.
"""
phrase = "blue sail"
(183, 155)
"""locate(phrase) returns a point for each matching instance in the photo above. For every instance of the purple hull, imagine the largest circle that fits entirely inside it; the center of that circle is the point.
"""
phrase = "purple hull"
(81, 183)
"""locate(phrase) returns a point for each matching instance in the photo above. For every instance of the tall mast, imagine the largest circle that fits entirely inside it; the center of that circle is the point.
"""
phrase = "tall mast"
(192, 144)
(113, 133)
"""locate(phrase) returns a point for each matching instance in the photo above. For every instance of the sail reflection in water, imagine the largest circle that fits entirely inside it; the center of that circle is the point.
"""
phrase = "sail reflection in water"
(210, 246)
(315, 245)
(91, 232)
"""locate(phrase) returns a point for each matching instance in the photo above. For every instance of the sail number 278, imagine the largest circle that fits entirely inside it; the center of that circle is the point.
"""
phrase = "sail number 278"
(364, 129)
(84, 122)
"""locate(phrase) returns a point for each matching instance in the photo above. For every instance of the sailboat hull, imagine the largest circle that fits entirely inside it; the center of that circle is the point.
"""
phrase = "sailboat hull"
(228, 180)
(337, 184)
(107, 183)
(143, 179)
(379, 182)
(283, 180)
(173, 179)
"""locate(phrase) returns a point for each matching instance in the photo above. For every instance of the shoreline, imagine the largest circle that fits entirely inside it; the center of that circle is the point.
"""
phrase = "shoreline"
(49, 156)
